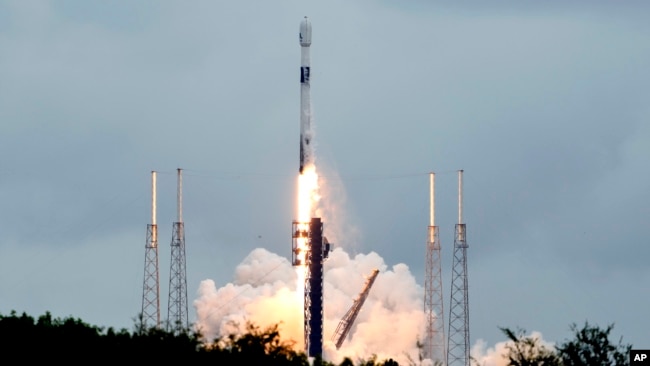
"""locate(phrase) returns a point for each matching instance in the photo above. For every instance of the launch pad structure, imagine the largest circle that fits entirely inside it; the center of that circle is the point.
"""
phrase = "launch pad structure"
(346, 323)
(308, 237)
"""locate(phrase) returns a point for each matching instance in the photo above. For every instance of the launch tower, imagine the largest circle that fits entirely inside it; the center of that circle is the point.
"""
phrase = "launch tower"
(458, 351)
(316, 251)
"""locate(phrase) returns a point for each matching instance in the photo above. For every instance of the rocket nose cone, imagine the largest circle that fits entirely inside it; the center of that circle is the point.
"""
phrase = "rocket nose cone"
(305, 32)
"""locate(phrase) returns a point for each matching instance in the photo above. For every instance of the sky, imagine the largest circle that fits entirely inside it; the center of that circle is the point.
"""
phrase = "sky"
(543, 105)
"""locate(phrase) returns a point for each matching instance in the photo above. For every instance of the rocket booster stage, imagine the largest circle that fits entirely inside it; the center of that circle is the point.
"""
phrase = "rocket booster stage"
(306, 154)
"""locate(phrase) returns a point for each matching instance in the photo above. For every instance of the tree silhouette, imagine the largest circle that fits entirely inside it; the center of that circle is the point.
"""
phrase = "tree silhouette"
(592, 347)
(255, 346)
(528, 350)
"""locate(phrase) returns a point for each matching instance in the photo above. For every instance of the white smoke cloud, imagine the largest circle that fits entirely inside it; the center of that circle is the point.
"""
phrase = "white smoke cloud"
(264, 291)
(498, 355)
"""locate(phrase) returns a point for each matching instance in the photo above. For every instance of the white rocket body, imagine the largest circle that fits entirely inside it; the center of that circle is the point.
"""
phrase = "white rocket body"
(306, 153)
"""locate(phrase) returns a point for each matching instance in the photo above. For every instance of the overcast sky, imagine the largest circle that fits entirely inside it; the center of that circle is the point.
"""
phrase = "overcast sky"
(544, 106)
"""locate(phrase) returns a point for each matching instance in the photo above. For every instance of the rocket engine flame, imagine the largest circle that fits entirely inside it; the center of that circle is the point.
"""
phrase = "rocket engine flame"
(308, 196)
(308, 199)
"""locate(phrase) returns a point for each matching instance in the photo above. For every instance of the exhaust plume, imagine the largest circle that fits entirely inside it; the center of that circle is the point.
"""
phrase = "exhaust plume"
(264, 292)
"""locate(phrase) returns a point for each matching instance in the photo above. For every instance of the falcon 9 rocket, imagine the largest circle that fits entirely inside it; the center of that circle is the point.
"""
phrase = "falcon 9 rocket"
(306, 153)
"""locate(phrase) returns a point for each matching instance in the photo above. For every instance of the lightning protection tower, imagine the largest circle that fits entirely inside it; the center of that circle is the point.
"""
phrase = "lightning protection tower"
(151, 284)
(177, 304)
(458, 343)
(434, 341)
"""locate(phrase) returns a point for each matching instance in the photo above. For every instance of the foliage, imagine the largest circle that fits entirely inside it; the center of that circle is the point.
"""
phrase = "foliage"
(24, 334)
(372, 361)
(71, 339)
(528, 350)
(255, 346)
(591, 346)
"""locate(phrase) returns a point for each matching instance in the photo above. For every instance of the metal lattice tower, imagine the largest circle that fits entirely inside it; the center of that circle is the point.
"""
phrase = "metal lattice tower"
(458, 351)
(314, 296)
(317, 250)
(177, 304)
(348, 319)
(434, 340)
(151, 283)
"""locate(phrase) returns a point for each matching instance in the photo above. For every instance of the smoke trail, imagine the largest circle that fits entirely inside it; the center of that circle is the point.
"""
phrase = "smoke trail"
(264, 291)
(331, 209)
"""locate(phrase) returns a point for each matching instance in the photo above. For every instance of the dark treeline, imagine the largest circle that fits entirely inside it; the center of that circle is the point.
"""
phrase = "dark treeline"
(590, 346)
(72, 340)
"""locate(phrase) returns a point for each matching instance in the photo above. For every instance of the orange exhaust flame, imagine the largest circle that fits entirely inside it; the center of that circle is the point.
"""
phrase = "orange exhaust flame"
(308, 198)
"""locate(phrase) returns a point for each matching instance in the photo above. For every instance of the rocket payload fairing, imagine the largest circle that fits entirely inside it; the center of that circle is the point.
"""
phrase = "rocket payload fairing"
(306, 153)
